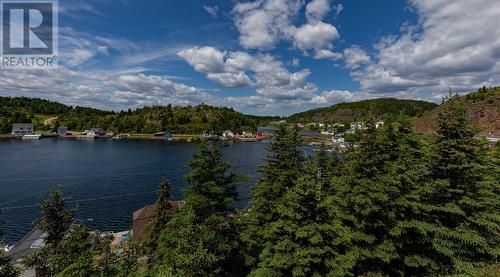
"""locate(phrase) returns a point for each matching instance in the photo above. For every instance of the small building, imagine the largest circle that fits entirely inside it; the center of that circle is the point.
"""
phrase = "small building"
(143, 216)
(97, 131)
(62, 131)
(259, 134)
(22, 129)
(379, 124)
(228, 134)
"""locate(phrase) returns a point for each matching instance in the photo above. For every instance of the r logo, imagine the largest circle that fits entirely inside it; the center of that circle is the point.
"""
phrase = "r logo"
(28, 28)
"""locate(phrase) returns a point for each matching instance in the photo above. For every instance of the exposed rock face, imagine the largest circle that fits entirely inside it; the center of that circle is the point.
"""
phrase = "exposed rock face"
(484, 112)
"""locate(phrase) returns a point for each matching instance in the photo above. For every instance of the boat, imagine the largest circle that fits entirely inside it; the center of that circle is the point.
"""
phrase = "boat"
(30, 137)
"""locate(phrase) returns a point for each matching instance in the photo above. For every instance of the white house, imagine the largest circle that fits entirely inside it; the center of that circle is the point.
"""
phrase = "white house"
(22, 129)
(228, 134)
(379, 124)
(338, 140)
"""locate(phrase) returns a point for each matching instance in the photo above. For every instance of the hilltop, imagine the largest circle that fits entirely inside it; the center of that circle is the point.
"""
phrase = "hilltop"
(382, 108)
(484, 112)
(175, 119)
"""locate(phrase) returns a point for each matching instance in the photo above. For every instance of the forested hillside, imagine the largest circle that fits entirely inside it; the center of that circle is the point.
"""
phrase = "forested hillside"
(175, 119)
(380, 108)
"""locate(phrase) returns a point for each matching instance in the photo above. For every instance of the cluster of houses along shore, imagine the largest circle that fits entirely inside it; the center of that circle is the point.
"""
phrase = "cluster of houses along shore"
(336, 131)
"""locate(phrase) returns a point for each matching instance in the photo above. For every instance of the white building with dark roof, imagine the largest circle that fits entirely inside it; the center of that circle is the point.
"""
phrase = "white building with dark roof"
(22, 129)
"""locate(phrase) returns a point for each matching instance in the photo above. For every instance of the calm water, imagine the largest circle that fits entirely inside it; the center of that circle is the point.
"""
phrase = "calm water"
(112, 178)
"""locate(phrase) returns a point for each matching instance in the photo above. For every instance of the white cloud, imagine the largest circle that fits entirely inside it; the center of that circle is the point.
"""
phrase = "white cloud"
(264, 23)
(456, 43)
(212, 10)
(355, 57)
(316, 10)
(295, 62)
(275, 86)
(332, 96)
(204, 59)
(327, 54)
(231, 80)
(317, 35)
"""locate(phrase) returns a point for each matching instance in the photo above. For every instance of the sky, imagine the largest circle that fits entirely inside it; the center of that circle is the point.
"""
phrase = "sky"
(265, 57)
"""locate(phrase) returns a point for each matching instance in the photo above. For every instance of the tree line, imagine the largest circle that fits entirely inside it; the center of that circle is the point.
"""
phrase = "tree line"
(398, 204)
(173, 119)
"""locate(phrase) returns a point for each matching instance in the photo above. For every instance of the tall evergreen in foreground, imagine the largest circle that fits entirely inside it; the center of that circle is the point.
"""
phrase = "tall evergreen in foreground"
(282, 168)
(371, 197)
(459, 210)
(55, 221)
(301, 241)
(201, 239)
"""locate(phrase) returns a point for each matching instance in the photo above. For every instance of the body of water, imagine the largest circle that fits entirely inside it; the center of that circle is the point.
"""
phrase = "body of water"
(107, 179)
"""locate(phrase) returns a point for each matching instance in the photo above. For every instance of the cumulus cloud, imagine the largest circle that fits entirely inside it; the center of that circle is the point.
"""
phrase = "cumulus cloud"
(317, 9)
(355, 57)
(318, 35)
(231, 80)
(456, 43)
(264, 23)
(275, 86)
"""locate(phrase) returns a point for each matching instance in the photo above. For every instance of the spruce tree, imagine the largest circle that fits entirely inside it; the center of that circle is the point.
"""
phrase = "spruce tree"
(162, 214)
(301, 241)
(459, 219)
(201, 239)
(281, 169)
(371, 197)
(55, 220)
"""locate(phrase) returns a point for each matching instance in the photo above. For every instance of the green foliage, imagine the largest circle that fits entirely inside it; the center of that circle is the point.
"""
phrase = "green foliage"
(301, 241)
(162, 215)
(282, 168)
(55, 220)
(173, 119)
(460, 206)
(201, 239)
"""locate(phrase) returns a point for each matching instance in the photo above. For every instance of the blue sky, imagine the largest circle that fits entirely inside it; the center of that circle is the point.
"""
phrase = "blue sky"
(266, 57)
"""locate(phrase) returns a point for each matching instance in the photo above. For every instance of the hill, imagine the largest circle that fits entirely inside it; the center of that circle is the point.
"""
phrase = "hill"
(382, 108)
(484, 112)
(175, 119)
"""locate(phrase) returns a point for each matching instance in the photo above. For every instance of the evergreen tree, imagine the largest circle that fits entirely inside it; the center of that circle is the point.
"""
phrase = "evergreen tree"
(372, 197)
(162, 214)
(281, 169)
(459, 218)
(55, 220)
(201, 239)
(301, 242)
